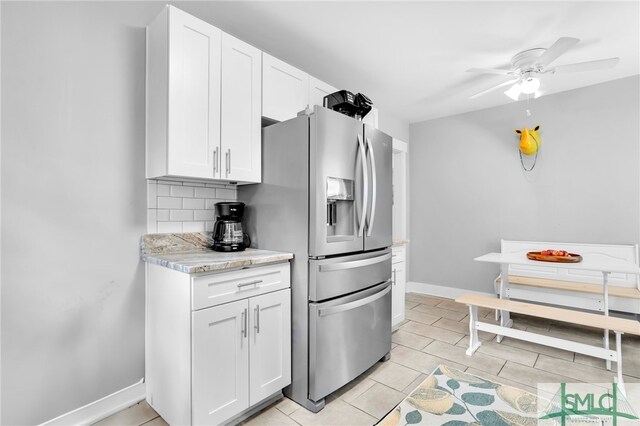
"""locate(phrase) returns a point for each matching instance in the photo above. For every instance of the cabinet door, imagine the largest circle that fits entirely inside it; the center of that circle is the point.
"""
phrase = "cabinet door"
(194, 95)
(398, 293)
(241, 106)
(270, 358)
(318, 90)
(285, 90)
(220, 368)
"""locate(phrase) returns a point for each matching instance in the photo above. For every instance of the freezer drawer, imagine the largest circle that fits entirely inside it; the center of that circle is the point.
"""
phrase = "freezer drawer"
(342, 275)
(347, 336)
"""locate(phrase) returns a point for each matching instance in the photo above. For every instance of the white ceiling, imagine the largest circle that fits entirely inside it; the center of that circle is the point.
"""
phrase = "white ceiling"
(410, 57)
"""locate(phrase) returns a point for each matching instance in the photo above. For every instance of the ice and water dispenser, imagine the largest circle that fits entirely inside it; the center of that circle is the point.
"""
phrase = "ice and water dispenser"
(340, 209)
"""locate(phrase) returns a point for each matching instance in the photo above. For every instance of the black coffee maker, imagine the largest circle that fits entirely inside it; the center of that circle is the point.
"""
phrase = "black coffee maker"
(227, 231)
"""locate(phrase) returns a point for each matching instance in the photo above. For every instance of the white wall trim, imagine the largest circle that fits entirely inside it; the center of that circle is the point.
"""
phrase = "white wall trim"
(102, 408)
(440, 290)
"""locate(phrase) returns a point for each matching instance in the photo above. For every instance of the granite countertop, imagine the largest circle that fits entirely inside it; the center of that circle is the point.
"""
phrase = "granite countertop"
(400, 242)
(190, 253)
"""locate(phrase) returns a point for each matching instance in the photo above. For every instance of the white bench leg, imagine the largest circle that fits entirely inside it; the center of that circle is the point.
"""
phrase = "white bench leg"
(474, 342)
(505, 319)
(498, 290)
(619, 379)
(605, 288)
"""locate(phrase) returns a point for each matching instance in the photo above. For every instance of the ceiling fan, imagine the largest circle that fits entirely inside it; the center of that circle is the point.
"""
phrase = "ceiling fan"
(528, 65)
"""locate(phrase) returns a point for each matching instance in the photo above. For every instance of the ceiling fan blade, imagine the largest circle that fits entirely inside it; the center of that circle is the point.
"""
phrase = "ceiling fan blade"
(558, 48)
(587, 66)
(491, 89)
(490, 71)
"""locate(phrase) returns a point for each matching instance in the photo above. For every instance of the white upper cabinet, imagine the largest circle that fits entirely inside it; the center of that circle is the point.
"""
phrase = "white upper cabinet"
(318, 90)
(241, 94)
(183, 95)
(285, 90)
(193, 129)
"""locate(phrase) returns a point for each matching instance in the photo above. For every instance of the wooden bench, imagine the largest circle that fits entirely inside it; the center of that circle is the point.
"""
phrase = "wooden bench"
(571, 288)
(587, 319)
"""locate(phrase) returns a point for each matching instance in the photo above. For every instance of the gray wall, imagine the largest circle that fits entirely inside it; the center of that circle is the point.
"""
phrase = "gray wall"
(73, 204)
(468, 189)
(393, 126)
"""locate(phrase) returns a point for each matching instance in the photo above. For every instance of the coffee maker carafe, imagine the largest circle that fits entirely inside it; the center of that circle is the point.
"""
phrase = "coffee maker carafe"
(227, 231)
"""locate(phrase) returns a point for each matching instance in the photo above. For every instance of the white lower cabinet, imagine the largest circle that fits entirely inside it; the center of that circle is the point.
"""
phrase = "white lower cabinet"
(206, 364)
(270, 344)
(399, 279)
(220, 370)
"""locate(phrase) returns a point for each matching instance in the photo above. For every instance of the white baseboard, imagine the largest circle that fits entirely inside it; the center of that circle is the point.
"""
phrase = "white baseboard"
(102, 408)
(440, 290)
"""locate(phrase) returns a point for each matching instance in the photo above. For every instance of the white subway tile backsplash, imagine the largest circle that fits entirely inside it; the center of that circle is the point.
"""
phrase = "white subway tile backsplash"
(181, 215)
(226, 194)
(163, 190)
(182, 191)
(193, 227)
(193, 203)
(163, 215)
(205, 193)
(175, 206)
(169, 203)
(204, 215)
(165, 227)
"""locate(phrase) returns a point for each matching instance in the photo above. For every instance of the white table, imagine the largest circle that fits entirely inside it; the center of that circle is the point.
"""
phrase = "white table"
(606, 268)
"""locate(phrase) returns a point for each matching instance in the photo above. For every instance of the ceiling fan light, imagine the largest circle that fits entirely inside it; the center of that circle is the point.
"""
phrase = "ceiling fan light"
(514, 92)
(530, 85)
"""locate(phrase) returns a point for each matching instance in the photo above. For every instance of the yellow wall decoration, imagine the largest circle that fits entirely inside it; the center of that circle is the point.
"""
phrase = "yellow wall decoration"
(529, 140)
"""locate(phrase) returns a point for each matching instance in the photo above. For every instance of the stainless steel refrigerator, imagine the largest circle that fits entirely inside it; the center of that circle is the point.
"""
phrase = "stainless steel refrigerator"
(326, 197)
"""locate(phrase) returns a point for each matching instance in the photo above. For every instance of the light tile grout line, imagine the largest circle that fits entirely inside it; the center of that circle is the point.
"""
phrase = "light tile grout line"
(150, 420)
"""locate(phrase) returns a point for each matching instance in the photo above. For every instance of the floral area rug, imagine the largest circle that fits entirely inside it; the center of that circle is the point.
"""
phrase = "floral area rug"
(449, 397)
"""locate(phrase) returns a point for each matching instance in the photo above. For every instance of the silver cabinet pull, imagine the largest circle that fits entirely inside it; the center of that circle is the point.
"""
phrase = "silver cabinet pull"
(374, 183)
(215, 161)
(365, 190)
(228, 161)
(243, 331)
(394, 277)
(249, 283)
(257, 326)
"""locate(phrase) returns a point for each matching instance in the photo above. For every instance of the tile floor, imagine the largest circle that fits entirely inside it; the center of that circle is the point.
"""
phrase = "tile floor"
(436, 331)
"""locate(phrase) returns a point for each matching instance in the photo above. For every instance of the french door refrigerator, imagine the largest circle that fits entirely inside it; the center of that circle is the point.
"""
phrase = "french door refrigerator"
(326, 197)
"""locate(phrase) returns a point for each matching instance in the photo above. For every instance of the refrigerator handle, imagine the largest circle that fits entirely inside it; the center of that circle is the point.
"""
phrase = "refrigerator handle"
(365, 178)
(374, 190)
(356, 303)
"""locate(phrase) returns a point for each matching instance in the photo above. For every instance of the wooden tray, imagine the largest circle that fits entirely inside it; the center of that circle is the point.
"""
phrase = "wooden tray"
(535, 255)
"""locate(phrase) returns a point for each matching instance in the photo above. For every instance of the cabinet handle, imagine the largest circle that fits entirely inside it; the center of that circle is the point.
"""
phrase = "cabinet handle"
(228, 161)
(257, 326)
(249, 283)
(215, 161)
(243, 331)
(394, 277)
